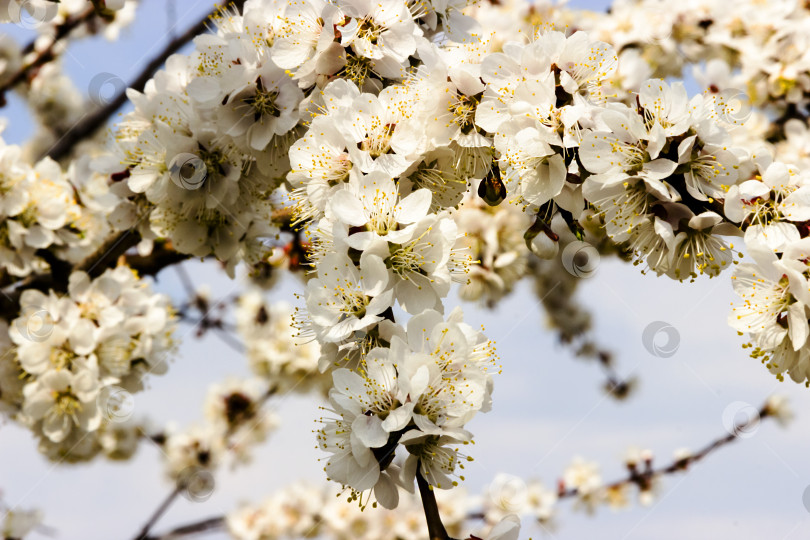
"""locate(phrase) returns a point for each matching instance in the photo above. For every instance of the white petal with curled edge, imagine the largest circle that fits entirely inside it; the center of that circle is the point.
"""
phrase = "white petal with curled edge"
(386, 492)
(490, 113)
(685, 149)
(37, 403)
(761, 253)
(38, 237)
(345, 404)
(426, 426)
(379, 303)
(140, 181)
(797, 324)
(595, 152)
(360, 452)
(408, 473)
(370, 431)
(507, 529)
(82, 337)
(416, 295)
(657, 138)
(796, 206)
(339, 465)
(373, 274)
(704, 220)
(89, 417)
(774, 236)
(751, 190)
(777, 175)
(398, 418)
(545, 181)
(348, 382)
(415, 206)
(420, 327)
(413, 436)
(419, 381)
(56, 426)
(659, 168)
(203, 89)
(287, 53)
(365, 478)
(260, 133)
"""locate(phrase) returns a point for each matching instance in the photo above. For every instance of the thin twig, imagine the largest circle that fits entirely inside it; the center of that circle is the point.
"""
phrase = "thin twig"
(232, 342)
(106, 256)
(206, 525)
(167, 502)
(185, 280)
(643, 478)
(215, 522)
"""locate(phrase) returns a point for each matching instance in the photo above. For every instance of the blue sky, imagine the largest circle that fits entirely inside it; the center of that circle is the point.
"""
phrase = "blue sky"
(548, 406)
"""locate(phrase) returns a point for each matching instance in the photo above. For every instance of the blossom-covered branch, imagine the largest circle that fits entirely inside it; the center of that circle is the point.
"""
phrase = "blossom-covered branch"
(320, 513)
(582, 482)
(396, 151)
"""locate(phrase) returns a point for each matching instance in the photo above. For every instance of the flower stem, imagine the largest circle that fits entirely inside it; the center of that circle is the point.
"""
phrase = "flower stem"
(436, 528)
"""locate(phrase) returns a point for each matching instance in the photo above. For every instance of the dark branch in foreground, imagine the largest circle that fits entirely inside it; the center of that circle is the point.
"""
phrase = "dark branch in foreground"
(98, 119)
(109, 252)
(161, 257)
(108, 255)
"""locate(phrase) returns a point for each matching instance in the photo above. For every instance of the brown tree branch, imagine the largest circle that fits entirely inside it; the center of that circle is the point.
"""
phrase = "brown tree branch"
(108, 255)
(98, 119)
(162, 256)
(557, 288)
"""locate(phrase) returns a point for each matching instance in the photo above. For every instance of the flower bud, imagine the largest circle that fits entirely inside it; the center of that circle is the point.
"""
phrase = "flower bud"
(544, 247)
(492, 188)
